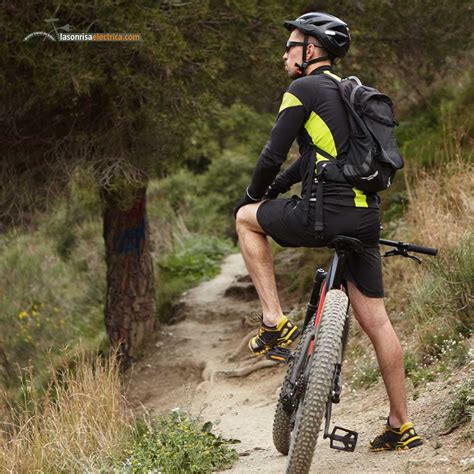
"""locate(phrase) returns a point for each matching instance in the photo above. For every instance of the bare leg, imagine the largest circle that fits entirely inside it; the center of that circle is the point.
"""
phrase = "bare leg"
(372, 316)
(257, 254)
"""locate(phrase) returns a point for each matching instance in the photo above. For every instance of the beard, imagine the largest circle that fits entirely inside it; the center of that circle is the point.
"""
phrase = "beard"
(294, 73)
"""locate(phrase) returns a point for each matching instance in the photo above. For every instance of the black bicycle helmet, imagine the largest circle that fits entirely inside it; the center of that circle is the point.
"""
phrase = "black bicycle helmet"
(332, 32)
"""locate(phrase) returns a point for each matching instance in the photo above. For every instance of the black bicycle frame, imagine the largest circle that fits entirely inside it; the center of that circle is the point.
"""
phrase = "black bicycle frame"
(323, 282)
(332, 279)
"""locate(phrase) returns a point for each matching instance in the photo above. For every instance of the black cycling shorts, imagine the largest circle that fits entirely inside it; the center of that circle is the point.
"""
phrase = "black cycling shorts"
(284, 221)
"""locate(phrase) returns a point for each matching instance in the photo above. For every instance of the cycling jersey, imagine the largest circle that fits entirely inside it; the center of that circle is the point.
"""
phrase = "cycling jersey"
(311, 111)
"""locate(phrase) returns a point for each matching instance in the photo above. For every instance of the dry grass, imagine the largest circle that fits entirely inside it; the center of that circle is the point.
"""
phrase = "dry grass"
(80, 424)
(441, 209)
(431, 302)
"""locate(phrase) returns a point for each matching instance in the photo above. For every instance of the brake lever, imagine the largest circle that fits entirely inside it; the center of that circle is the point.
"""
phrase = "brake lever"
(413, 257)
(403, 253)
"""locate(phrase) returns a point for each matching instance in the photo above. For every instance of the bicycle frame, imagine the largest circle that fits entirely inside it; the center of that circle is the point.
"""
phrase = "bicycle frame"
(302, 361)
(323, 282)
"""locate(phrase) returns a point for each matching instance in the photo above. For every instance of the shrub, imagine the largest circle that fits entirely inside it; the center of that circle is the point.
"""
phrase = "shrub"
(177, 443)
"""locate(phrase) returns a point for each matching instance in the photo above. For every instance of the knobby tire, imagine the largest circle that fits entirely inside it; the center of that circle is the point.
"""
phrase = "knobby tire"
(313, 406)
(282, 422)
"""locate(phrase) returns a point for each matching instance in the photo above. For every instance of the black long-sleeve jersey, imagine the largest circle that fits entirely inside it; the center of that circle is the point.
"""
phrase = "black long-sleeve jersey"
(311, 111)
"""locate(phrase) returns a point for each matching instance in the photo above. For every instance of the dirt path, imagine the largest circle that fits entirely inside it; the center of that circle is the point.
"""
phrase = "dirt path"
(194, 373)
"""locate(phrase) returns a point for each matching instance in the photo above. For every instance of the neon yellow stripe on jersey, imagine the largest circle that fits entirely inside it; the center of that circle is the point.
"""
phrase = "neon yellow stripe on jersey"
(360, 199)
(320, 134)
(329, 73)
(320, 158)
(289, 100)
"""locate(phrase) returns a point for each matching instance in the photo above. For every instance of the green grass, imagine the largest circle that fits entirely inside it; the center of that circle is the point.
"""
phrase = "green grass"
(462, 408)
(364, 370)
(177, 443)
(439, 307)
(48, 302)
(196, 259)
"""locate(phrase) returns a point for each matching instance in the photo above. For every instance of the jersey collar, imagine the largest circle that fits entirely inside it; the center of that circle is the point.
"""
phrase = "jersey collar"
(320, 70)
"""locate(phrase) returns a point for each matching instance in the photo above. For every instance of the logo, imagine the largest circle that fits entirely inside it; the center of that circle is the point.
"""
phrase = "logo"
(48, 36)
(64, 33)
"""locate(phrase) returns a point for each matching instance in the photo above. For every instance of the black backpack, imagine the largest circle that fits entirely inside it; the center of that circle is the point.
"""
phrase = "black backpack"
(373, 156)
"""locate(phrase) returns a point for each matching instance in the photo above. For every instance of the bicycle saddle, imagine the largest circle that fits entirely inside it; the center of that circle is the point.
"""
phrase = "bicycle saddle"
(342, 243)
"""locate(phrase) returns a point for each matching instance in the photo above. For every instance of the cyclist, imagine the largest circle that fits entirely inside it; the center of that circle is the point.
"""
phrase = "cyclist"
(312, 112)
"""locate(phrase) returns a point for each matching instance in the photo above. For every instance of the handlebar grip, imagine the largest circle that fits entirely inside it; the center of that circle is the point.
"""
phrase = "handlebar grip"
(425, 250)
(409, 247)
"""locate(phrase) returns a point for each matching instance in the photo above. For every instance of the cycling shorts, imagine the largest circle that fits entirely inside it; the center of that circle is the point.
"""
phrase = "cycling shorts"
(290, 224)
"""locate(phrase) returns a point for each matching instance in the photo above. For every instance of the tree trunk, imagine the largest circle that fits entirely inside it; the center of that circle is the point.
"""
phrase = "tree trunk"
(130, 303)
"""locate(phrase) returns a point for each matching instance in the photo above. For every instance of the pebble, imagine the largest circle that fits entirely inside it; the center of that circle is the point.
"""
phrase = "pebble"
(467, 461)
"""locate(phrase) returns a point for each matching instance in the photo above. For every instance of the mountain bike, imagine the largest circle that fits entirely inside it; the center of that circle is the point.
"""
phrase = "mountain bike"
(313, 381)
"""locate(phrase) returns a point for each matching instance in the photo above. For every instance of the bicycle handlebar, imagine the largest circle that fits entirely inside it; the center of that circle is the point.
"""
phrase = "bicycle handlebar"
(409, 247)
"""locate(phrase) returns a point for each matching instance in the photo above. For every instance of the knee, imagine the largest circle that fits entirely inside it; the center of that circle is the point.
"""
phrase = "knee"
(242, 219)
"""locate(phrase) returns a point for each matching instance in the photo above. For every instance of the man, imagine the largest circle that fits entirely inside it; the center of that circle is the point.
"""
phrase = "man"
(312, 112)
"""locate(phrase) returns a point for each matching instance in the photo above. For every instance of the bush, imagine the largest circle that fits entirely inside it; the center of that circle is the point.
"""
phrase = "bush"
(177, 443)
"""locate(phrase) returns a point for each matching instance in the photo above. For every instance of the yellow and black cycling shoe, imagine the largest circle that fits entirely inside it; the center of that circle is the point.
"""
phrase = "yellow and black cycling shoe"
(396, 439)
(283, 334)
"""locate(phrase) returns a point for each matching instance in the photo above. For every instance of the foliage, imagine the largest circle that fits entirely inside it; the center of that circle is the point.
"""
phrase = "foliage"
(440, 306)
(205, 198)
(99, 104)
(80, 423)
(435, 302)
(48, 302)
(196, 259)
(177, 443)
(462, 408)
(404, 47)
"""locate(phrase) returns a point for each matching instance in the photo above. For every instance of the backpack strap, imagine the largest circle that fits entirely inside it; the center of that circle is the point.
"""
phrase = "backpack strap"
(318, 179)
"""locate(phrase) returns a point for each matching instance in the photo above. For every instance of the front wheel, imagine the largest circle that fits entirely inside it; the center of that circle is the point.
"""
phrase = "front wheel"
(312, 407)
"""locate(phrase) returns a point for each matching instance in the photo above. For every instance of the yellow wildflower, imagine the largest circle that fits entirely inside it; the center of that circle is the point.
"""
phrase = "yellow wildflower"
(22, 315)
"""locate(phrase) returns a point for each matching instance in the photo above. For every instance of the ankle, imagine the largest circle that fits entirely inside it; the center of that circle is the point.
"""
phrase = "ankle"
(271, 320)
(396, 422)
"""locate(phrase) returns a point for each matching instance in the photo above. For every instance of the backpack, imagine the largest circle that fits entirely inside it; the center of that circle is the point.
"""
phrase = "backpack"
(373, 156)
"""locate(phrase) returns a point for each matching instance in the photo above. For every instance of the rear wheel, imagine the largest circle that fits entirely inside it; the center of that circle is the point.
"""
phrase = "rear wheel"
(313, 405)
(284, 419)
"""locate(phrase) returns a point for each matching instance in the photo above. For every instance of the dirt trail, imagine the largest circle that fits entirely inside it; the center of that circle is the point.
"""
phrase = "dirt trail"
(188, 367)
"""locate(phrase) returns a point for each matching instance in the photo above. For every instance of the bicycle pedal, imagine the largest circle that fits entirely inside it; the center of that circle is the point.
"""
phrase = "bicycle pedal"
(280, 354)
(343, 442)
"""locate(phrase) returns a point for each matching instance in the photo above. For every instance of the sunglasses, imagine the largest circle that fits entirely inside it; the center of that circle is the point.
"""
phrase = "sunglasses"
(290, 44)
